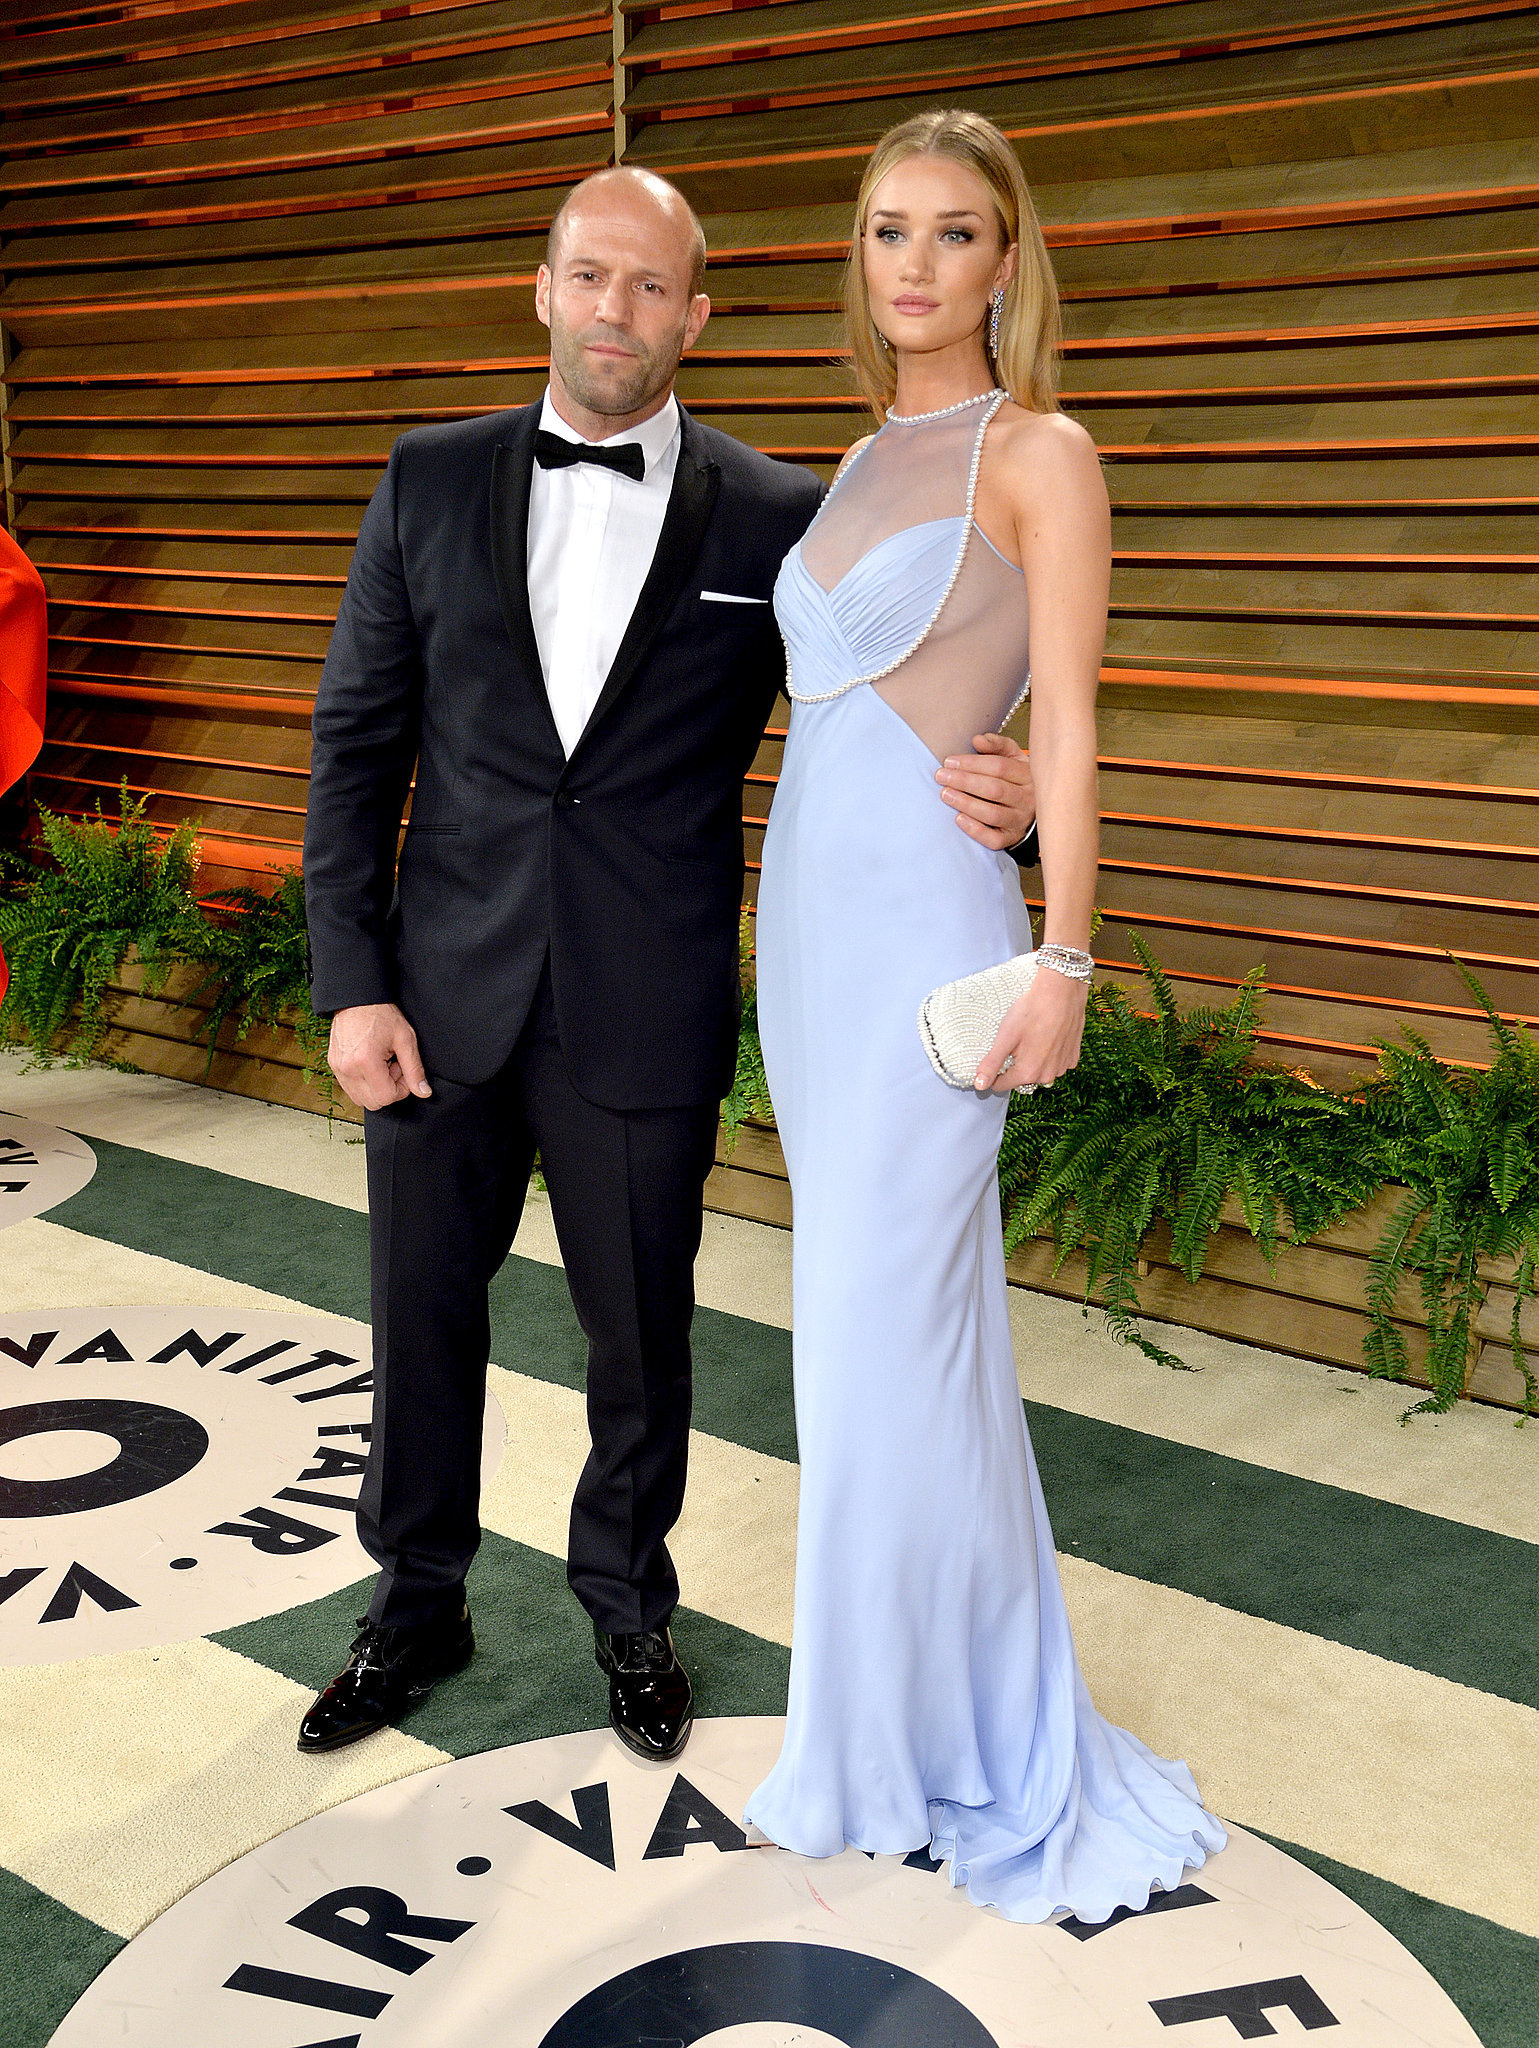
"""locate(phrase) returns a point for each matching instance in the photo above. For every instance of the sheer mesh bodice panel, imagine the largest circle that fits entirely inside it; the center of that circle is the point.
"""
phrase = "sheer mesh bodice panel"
(934, 617)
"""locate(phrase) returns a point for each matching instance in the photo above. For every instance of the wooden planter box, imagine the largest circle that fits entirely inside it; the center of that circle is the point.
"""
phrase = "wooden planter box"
(1311, 1305)
(165, 1034)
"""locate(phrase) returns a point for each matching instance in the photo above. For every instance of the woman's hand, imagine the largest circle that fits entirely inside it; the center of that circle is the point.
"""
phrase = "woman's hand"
(1042, 1031)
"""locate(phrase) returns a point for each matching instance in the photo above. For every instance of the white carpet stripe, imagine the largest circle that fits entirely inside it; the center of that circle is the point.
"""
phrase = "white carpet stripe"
(1394, 1771)
(130, 1779)
(45, 1265)
(259, 1141)
(735, 1544)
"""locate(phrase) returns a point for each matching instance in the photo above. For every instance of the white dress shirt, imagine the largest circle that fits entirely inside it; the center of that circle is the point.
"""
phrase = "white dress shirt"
(592, 536)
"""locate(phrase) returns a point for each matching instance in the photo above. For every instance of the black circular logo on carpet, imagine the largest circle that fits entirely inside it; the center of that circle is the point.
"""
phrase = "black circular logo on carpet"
(155, 1446)
(861, 2000)
(565, 1894)
(39, 1167)
(166, 1472)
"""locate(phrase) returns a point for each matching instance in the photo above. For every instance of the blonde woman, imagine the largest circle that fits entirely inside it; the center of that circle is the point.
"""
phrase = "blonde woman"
(936, 1701)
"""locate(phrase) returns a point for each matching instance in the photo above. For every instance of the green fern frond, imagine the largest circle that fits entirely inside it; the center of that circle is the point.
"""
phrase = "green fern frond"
(748, 1099)
(1200, 1201)
(1154, 974)
(1525, 1292)
(1384, 1348)
(1502, 1032)
(114, 884)
(1508, 1165)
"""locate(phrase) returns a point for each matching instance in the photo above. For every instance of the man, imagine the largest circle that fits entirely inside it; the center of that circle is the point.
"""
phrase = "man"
(560, 616)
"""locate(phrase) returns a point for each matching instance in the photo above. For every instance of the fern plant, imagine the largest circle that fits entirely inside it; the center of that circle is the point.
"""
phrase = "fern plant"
(256, 959)
(1166, 1115)
(749, 1097)
(1466, 1147)
(114, 883)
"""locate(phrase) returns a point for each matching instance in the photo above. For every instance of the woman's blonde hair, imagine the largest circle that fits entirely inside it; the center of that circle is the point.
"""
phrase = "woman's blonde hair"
(1026, 364)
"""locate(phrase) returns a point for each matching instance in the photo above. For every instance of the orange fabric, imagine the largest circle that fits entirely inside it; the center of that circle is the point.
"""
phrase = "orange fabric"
(23, 672)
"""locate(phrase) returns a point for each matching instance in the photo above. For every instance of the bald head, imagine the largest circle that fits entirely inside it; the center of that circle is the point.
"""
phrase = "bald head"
(626, 192)
(619, 291)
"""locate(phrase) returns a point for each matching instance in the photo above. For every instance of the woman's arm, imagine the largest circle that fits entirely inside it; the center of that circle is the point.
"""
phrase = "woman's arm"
(1052, 477)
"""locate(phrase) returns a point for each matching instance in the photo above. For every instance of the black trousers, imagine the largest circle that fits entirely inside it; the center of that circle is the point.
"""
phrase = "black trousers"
(447, 1180)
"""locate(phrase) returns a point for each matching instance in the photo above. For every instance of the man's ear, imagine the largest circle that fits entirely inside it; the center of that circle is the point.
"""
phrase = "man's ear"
(542, 294)
(699, 313)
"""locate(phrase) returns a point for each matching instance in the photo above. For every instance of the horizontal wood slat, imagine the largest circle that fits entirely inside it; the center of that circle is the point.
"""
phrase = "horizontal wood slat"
(1079, 66)
(686, 37)
(237, 59)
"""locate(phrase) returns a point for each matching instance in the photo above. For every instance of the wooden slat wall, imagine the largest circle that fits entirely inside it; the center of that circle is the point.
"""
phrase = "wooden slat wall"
(1297, 244)
(244, 245)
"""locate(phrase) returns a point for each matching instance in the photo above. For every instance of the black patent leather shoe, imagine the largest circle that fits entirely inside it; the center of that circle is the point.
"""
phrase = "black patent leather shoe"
(651, 1701)
(390, 1671)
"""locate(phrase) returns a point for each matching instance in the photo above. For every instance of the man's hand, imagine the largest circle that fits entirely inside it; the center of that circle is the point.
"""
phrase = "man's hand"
(991, 791)
(374, 1056)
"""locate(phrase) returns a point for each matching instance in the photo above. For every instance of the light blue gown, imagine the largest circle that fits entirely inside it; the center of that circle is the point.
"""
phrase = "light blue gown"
(936, 1700)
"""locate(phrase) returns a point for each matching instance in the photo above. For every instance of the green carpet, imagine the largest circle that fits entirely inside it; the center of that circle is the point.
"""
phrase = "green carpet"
(533, 1674)
(48, 1955)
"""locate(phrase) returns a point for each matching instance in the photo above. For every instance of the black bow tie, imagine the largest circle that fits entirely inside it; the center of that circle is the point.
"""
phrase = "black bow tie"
(552, 452)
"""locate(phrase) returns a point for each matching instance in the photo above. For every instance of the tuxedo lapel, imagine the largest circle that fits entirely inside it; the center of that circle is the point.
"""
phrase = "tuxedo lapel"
(512, 471)
(696, 481)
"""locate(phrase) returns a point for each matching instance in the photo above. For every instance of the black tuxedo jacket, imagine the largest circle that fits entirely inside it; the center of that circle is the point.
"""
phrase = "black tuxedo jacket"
(625, 862)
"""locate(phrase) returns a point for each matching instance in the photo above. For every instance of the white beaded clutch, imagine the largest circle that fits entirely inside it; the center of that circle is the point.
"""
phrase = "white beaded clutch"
(960, 1020)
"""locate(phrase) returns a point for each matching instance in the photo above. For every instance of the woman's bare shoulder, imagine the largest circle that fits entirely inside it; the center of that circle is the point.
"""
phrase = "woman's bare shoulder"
(1044, 462)
(1048, 443)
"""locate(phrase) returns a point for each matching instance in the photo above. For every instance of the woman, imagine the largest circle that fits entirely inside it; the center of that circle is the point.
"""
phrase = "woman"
(936, 1701)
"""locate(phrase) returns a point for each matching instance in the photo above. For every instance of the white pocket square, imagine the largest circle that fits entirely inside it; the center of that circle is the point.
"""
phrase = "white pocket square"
(728, 597)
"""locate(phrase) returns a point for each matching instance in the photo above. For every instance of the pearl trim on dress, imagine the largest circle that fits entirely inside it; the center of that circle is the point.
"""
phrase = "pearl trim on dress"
(996, 400)
(916, 418)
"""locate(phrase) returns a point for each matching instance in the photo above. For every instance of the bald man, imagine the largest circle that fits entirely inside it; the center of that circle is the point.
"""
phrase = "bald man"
(559, 617)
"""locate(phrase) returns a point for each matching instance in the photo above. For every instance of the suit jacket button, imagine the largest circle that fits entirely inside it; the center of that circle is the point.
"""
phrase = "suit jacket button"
(564, 800)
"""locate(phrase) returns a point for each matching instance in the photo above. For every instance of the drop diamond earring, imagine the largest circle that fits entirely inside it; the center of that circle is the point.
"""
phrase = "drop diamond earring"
(880, 336)
(996, 307)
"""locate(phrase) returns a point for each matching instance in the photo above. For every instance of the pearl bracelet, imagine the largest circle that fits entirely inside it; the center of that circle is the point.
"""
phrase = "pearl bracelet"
(1067, 960)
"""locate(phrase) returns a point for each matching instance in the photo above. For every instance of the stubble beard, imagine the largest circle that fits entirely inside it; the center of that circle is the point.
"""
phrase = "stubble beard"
(649, 374)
